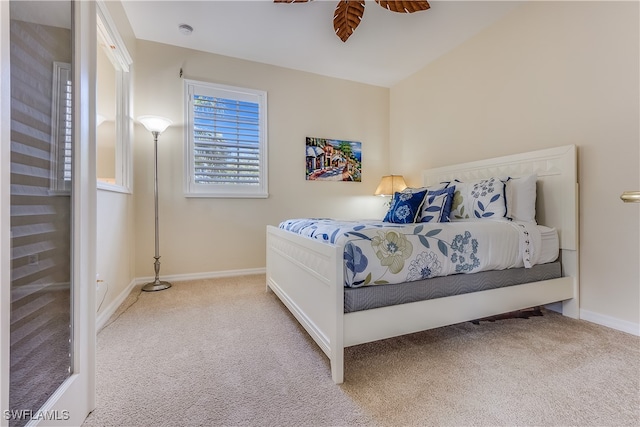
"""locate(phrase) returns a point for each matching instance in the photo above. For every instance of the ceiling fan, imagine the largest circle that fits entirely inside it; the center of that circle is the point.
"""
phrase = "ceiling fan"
(348, 13)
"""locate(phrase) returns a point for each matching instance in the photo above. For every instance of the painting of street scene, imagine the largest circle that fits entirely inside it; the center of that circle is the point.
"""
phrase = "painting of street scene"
(333, 160)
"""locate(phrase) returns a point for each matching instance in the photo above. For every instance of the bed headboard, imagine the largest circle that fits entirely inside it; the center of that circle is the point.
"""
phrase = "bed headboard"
(557, 185)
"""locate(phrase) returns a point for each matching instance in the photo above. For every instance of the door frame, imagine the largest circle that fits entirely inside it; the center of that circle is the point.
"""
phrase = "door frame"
(5, 209)
(75, 398)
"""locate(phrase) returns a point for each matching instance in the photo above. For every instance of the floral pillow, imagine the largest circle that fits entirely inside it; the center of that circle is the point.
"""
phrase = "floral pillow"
(478, 199)
(437, 205)
(405, 207)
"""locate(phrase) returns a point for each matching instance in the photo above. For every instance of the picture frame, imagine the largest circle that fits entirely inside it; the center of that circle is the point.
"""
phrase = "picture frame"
(333, 160)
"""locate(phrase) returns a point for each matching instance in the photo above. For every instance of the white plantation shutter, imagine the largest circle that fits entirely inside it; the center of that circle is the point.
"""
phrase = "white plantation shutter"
(61, 124)
(226, 141)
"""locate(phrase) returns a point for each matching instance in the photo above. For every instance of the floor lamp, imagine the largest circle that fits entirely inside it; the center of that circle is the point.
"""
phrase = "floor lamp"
(155, 125)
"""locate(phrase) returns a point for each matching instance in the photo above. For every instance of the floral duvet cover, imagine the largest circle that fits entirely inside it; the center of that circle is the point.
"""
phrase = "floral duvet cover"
(377, 253)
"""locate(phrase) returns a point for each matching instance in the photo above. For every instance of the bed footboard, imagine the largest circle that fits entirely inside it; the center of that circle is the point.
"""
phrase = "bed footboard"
(308, 278)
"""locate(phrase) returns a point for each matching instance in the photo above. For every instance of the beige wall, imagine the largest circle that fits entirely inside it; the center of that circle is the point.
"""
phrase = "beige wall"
(115, 238)
(200, 235)
(549, 74)
(115, 250)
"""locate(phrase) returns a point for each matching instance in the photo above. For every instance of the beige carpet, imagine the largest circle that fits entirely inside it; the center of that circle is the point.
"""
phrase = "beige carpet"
(224, 352)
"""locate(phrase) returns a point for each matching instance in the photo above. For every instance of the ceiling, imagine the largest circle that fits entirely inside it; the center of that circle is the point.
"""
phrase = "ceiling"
(385, 48)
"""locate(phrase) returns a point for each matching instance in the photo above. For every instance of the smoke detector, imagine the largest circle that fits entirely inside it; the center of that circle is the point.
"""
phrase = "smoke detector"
(185, 29)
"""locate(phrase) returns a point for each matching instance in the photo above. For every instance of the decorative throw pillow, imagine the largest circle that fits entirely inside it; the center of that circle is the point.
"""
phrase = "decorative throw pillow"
(405, 207)
(478, 200)
(437, 205)
(521, 198)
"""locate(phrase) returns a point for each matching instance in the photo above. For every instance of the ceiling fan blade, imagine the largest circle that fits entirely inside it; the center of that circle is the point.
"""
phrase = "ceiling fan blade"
(404, 6)
(347, 17)
(291, 1)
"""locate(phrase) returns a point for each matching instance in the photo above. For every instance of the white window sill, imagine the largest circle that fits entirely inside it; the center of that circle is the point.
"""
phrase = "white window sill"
(105, 186)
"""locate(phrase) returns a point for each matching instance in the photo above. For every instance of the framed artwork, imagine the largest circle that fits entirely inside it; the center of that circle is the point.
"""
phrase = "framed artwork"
(333, 160)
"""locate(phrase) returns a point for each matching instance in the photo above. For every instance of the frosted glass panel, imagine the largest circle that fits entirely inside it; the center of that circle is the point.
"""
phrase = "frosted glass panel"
(41, 183)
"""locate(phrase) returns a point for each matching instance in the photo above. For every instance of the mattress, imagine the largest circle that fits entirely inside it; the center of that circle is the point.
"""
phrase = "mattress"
(368, 297)
(378, 253)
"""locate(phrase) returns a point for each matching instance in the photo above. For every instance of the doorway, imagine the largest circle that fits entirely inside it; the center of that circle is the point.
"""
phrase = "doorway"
(50, 335)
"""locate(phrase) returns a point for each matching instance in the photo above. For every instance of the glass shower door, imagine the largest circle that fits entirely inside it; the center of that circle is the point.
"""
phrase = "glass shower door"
(41, 53)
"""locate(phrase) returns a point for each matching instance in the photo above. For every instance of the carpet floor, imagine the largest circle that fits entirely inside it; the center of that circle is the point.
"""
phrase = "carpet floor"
(226, 352)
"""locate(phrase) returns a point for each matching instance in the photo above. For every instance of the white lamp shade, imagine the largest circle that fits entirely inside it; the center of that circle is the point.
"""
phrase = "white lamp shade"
(390, 184)
(155, 123)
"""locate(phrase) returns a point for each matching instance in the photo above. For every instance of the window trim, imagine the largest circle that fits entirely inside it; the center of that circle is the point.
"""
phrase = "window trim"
(192, 189)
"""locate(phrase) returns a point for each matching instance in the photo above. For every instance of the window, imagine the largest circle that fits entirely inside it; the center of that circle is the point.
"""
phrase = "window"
(226, 141)
(61, 126)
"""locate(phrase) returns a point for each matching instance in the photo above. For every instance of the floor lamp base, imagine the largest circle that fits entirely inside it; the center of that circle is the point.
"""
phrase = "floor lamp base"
(156, 286)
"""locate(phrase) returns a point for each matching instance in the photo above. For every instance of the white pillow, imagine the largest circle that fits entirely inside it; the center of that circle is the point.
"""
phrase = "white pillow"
(521, 198)
(435, 187)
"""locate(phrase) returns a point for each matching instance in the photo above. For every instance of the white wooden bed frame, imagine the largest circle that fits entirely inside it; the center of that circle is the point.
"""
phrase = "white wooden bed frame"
(307, 275)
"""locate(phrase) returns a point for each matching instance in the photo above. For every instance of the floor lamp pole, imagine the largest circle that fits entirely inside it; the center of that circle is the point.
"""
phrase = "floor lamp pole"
(157, 284)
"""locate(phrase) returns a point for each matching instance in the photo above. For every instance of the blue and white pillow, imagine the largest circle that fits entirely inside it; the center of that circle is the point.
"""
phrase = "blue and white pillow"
(405, 207)
(479, 199)
(437, 205)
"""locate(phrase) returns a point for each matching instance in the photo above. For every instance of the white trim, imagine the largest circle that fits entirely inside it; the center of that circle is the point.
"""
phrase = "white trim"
(107, 30)
(77, 394)
(114, 188)
(5, 204)
(108, 311)
(75, 398)
(610, 322)
(224, 190)
(121, 60)
(204, 275)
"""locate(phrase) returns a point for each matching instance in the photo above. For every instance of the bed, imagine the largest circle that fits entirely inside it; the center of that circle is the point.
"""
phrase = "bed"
(308, 274)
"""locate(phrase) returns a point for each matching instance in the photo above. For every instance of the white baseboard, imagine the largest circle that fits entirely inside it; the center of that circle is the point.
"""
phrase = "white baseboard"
(610, 322)
(108, 311)
(205, 275)
(600, 319)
